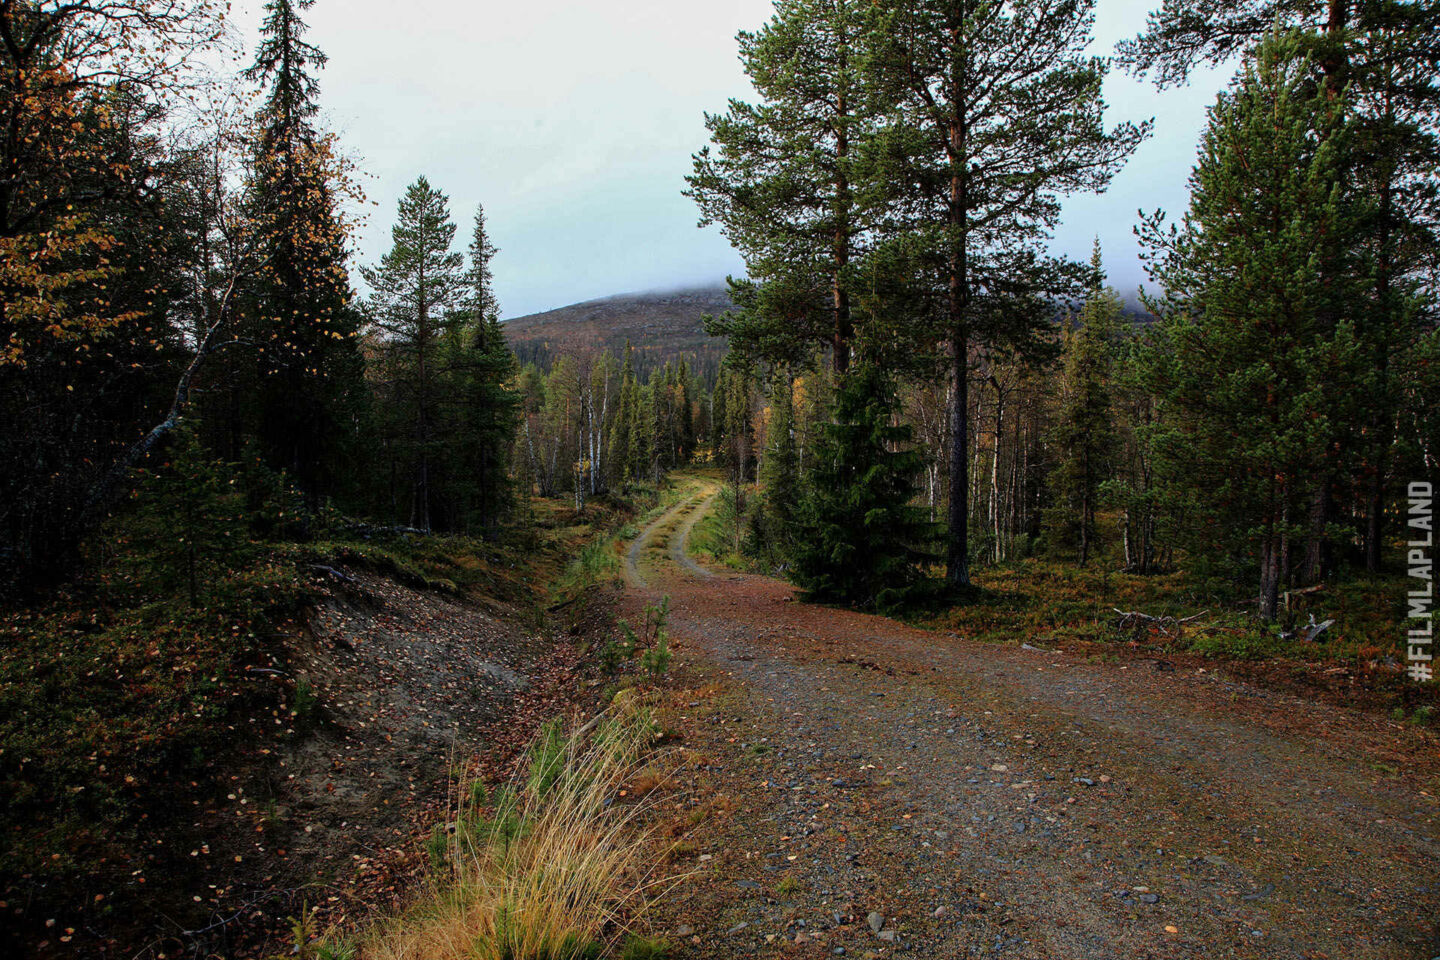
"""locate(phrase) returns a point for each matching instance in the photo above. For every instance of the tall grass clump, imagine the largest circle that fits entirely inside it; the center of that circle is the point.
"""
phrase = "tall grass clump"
(552, 867)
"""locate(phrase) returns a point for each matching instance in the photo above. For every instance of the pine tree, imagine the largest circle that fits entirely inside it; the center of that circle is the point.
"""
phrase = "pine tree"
(1000, 114)
(780, 476)
(860, 539)
(781, 182)
(419, 288)
(309, 379)
(1382, 58)
(1341, 36)
(1084, 432)
(1254, 355)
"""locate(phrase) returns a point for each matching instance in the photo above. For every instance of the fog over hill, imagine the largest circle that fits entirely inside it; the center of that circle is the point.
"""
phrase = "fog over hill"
(660, 325)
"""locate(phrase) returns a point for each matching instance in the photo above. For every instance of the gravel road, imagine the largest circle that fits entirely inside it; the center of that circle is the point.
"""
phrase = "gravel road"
(854, 786)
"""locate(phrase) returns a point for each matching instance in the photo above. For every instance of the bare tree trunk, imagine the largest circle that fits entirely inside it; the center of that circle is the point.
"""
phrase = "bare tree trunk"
(1125, 540)
(997, 548)
(1285, 579)
(1317, 545)
(957, 559)
(1269, 580)
(1270, 560)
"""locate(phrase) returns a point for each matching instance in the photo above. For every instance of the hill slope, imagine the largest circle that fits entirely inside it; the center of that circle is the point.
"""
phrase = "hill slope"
(660, 326)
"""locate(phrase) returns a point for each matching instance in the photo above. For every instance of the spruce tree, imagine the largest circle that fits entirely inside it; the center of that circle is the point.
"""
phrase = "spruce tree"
(739, 424)
(1000, 114)
(637, 434)
(1250, 358)
(419, 290)
(1084, 432)
(624, 445)
(480, 278)
(309, 378)
(657, 410)
(860, 540)
(687, 413)
(487, 418)
(719, 416)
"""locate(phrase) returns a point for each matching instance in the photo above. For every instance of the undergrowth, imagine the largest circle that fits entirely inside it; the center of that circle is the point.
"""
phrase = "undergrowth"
(714, 535)
(1046, 601)
(553, 866)
(132, 698)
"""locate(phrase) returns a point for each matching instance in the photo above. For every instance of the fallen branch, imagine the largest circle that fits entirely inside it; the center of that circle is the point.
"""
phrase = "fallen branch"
(1165, 624)
(201, 931)
(368, 530)
(1305, 591)
(337, 574)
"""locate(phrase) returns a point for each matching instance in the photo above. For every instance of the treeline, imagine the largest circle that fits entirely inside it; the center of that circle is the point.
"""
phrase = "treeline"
(591, 425)
(176, 295)
(645, 360)
(893, 190)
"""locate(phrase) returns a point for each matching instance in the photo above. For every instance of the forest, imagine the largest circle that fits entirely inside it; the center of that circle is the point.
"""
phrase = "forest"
(1254, 420)
(223, 424)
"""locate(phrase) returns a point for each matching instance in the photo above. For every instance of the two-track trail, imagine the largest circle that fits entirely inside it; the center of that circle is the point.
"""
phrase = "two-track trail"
(855, 786)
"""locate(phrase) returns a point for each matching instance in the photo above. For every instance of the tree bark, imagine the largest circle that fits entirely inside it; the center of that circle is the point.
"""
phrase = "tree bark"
(1382, 422)
(1317, 545)
(844, 328)
(957, 556)
(1269, 580)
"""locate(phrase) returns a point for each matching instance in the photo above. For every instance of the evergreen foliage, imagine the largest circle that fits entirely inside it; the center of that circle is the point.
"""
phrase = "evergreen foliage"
(1382, 57)
(782, 182)
(999, 113)
(1084, 433)
(488, 409)
(1256, 352)
(861, 540)
(309, 375)
(419, 288)
(780, 474)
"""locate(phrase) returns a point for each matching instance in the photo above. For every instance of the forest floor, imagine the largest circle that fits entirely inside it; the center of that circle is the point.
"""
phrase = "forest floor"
(851, 785)
(346, 727)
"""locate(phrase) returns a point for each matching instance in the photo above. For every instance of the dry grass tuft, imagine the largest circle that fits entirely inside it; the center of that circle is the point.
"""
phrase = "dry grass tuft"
(553, 867)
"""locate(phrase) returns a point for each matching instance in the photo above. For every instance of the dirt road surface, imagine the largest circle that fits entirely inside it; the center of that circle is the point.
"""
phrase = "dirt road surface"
(852, 786)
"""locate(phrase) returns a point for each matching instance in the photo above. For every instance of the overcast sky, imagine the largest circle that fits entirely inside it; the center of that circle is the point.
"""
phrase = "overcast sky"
(574, 123)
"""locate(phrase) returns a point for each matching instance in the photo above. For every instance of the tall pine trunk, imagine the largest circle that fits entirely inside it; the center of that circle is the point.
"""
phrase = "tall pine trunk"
(844, 328)
(957, 560)
(1382, 421)
(957, 554)
(1317, 544)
